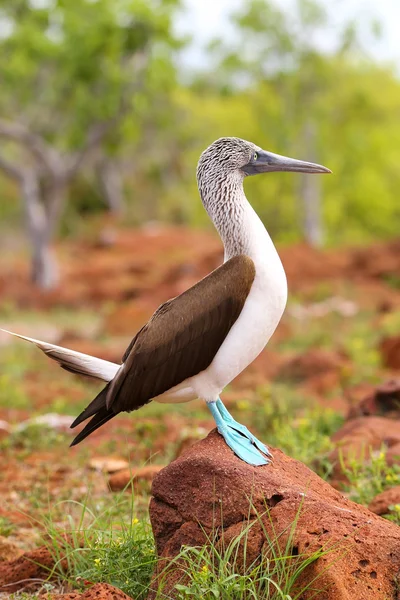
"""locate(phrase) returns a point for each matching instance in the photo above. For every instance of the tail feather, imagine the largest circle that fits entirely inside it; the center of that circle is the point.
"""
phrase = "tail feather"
(98, 420)
(75, 362)
(94, 407)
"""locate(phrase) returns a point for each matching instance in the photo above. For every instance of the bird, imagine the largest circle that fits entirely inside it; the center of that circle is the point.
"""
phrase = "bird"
(195, 344)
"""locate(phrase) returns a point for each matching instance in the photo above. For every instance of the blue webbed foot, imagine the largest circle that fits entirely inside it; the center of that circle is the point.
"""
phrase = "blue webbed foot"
(241, 428)
(238, 437)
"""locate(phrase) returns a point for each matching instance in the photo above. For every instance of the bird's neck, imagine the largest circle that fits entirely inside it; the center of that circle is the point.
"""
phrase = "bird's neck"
(238, 225)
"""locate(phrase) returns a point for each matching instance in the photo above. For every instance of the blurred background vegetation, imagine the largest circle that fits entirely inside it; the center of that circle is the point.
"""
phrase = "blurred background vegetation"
(101, 112)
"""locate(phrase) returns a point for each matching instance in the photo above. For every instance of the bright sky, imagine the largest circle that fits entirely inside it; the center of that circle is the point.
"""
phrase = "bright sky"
(205, 19)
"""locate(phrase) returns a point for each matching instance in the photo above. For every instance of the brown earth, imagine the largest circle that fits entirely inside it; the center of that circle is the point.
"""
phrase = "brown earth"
(360, 437)
(158, 263)
(390, 352)
(382, 400)
(362, 550)
(100, 591)
(27, 572)
(381, 504)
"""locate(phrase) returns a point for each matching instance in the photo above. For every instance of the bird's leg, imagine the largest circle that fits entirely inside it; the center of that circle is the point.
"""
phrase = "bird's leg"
(226, 415)
(243, 443)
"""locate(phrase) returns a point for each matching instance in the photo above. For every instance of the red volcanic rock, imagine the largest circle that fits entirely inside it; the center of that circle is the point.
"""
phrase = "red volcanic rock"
(361, 436)
(35, 565)
(381, 503)
(390, 351)
(383, 400)
(121, 480)
(311, 364)
(206, 493)
(100, 591)
(8, 550)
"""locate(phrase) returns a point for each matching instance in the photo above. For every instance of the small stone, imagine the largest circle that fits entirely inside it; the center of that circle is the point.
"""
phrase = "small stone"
(380, 505)
(121, 480)
(54, 421)
(100, 591)
(361, 436)
(108, 464)
(8, 550)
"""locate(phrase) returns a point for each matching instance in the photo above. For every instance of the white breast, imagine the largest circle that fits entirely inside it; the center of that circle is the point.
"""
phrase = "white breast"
(258, 320)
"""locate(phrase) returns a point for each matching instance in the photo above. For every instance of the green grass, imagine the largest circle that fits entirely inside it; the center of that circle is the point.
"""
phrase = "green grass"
(100, 541)
(6, 527)
(288, 420)
(108, 543)
(210, 572)
(368, 477)
(33, 437)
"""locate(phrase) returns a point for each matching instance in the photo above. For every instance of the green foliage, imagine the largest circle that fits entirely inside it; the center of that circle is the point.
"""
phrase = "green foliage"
(107, 543)
(67, 65)
(6, 527)
(302, 433)
(369, 477)
(102, 543)
(220, 570)
(394, 514)
(33, 437)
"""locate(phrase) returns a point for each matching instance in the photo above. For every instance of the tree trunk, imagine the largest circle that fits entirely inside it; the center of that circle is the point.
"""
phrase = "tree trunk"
(110, 182)
(310, 192)
(44, 270)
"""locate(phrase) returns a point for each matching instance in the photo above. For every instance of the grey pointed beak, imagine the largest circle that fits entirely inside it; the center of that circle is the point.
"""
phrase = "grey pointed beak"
(268, 162)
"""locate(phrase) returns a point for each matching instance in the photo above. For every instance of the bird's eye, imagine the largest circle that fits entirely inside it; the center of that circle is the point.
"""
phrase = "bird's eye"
(255, 156)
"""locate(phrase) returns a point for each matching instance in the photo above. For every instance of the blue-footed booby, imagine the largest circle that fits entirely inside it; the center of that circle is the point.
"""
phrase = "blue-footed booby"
(195, 344)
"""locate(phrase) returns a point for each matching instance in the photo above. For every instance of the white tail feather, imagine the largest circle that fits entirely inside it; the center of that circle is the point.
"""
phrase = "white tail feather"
(84, 364)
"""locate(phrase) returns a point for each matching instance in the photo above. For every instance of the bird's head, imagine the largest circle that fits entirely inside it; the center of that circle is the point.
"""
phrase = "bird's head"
(236, 157)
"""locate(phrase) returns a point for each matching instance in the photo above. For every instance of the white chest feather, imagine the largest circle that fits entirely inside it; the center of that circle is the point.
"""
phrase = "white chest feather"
(259, 318)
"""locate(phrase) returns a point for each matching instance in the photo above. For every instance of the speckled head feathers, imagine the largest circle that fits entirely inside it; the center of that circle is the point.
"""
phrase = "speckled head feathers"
(226, 155)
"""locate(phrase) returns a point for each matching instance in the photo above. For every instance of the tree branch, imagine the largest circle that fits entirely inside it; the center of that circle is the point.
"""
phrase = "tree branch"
(11, 170)
(47, 156)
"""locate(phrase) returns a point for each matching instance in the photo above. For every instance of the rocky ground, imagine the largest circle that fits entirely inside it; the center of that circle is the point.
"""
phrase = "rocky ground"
(326, 391)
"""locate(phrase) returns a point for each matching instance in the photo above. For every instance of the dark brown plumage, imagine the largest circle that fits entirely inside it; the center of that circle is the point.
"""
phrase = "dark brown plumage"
(180, 340)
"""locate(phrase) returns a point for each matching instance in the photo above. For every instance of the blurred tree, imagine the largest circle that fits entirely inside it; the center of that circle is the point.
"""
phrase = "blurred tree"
(78, 78)
(285, 49)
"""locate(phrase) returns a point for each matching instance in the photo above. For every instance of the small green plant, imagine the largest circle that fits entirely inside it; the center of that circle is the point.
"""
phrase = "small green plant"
(303, 433)
(394, 514)
(102, 544)
(368, 478)
(218, 570)
(33, 437)
(6, 527)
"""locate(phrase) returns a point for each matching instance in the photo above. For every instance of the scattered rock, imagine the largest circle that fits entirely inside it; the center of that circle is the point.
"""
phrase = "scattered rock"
(8, 550)
(383, 400)
(108, 464)
(340, 306)
(393, 455)
(381, 503)
(100, 591)
(189, 437)
(55, 421)
(34, 566)
(310, 364)
(359, 437)
(121, 480)
(390, 351)
(207, 490)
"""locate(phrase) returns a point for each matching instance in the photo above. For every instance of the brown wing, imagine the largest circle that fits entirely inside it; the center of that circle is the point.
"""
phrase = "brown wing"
(182, 337)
